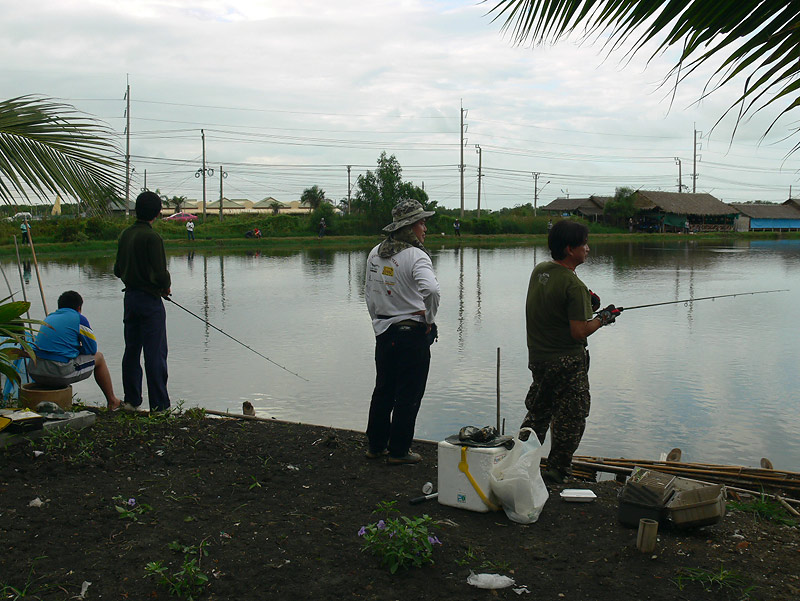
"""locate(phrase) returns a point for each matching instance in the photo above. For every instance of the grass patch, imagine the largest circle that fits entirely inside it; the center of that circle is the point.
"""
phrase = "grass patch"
(764, 508)
(721, 579)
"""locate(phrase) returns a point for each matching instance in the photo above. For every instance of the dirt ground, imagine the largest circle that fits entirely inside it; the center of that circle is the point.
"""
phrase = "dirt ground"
(277, 508)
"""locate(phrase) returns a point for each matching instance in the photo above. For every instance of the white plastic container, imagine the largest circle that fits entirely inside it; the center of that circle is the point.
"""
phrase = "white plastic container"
(455, 489)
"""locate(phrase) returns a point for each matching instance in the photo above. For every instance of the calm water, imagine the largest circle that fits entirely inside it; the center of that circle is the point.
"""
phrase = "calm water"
(717, 378)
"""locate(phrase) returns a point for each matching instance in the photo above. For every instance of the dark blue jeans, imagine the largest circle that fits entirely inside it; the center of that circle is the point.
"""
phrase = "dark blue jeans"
(402, 360)
(145, 330)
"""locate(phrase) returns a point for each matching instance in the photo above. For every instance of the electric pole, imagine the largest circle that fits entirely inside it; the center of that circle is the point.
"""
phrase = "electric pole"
(478, 150)
(348, 189)
(203, 172)
(461, 164)
(535, 191)
(680, 178)
(128, 148)
(222, 174)
(694, 161)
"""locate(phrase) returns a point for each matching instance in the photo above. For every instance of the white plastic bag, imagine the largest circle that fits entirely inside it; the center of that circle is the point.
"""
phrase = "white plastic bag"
(517, 481)
(489, 581)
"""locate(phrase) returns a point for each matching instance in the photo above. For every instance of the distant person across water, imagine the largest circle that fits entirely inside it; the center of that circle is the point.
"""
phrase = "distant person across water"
(24, 228)
(322, 227)
(66, 350)
(190, 230)
(254, 233)
(457, 228)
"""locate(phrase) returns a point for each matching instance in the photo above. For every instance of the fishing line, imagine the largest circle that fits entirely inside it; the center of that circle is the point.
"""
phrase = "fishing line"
(691, 300)
(234, 339)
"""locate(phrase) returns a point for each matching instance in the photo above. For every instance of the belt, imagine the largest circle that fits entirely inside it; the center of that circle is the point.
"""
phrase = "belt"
(410, 322)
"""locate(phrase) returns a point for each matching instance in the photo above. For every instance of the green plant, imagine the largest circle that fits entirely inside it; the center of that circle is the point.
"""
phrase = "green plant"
(764, 508)
(8, 591)
(255, 484)
(712, 580)
(15, 334)
(47, 147)
(130, 509)
(399, 541)
(190, 580)
(73, 445)
(470, 557)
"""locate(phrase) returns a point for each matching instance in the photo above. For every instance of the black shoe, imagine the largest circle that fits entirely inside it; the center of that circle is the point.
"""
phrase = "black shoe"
(553, 476)
(376, 454)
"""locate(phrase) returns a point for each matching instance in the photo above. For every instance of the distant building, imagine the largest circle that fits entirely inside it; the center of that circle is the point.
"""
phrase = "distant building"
(672, 211)
(767, 217)
(590, 208)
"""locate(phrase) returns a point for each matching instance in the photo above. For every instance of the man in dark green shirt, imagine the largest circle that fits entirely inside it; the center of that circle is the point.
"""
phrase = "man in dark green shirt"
(142, 266)
(559, 318)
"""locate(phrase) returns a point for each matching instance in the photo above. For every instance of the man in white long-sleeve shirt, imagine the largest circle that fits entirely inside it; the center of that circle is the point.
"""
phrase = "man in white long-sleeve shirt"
(402, 295)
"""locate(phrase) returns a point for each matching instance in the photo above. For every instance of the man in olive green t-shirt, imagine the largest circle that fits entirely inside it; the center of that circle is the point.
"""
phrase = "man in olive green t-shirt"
(559, 318)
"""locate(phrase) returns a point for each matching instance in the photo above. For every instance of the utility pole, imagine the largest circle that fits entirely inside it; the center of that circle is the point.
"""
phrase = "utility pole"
(128, 147)
(461, 164)
(680, 178)
(535, 191)
(478, 150)
(145, 180)
(222, 174)
(694, 161)
(348, 189)
(203, 172)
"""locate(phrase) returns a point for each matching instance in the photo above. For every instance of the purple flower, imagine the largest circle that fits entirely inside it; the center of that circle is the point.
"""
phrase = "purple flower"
(381, 525)
(434, 540)
(131, 502)
(363, 531)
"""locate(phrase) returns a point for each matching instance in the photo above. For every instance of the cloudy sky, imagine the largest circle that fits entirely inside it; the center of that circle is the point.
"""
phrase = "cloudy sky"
(291, 92)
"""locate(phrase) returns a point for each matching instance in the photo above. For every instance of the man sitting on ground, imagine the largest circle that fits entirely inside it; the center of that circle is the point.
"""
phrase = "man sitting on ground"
(66, 350)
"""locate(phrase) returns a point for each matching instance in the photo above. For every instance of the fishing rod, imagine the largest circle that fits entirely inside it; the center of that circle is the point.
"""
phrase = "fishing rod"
(234, 339)
(691, 300)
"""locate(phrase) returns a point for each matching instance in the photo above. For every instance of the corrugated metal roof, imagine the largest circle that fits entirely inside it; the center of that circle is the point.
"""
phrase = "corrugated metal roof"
(681, 203)
(565, 204)
(266, 202)
(767, 211)
(226, 204)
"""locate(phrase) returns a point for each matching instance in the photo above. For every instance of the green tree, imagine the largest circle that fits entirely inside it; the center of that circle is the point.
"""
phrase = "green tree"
(313, 197)
(378, 191)
(754, 38)
(275, 205)
(177, 202)
(621, 207)
(46, 148)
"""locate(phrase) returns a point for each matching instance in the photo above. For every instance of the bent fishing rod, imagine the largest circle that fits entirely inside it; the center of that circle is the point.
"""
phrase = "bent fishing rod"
(691, 300)
(208, 323)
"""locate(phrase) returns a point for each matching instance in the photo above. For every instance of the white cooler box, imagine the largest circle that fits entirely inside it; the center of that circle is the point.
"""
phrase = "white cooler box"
(454, 487)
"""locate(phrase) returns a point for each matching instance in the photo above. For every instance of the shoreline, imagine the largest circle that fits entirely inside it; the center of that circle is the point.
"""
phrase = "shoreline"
(293, 243)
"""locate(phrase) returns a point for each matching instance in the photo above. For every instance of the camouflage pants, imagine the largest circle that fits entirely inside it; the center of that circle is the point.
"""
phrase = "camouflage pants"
(559, 399)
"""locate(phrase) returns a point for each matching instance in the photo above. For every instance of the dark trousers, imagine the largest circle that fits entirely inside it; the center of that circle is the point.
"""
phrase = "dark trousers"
(402, 359)
(145, 330)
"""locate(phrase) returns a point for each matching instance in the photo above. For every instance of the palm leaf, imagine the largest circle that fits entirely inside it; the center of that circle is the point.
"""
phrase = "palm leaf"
(48, 148)
(758, 39)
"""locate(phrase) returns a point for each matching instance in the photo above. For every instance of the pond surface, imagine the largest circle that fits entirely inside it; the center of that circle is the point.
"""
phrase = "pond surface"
(717, 378)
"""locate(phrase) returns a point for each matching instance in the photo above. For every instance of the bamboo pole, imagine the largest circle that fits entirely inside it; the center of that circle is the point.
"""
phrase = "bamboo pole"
(498, 389)
(36, 265)
(21, 279)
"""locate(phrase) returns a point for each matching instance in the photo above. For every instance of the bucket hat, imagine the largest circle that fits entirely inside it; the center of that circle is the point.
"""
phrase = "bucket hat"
(406, 212)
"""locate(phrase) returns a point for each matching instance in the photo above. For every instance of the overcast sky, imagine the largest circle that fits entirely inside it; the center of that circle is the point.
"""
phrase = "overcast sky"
(291, 92)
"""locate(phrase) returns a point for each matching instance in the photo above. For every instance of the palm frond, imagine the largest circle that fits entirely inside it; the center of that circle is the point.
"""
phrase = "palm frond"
(757, 39)
(48, 148)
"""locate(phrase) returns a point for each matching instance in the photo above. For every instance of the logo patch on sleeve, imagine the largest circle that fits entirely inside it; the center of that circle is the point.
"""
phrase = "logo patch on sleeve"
(388, 271)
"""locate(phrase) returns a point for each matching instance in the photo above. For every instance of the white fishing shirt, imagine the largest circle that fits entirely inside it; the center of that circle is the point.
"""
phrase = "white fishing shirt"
(400, 286)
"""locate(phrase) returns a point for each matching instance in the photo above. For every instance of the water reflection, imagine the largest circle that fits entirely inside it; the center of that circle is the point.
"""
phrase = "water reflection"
(717, 378)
